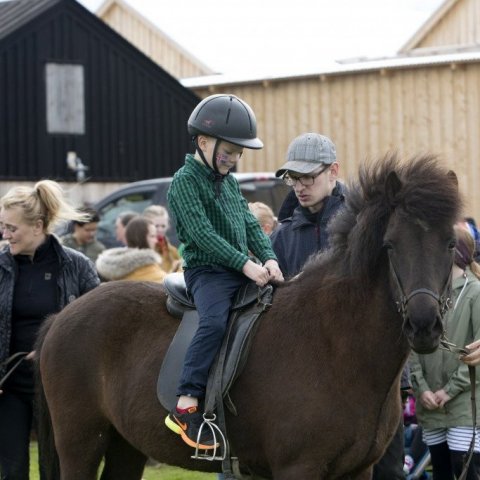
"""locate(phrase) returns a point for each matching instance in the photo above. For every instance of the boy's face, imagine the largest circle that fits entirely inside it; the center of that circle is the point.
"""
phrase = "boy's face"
(227, 155)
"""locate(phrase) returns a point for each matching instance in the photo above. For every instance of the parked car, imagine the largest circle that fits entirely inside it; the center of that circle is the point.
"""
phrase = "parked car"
(136, 196)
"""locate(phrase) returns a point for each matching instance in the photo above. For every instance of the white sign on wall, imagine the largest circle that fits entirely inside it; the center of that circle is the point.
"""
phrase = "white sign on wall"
(65, 98)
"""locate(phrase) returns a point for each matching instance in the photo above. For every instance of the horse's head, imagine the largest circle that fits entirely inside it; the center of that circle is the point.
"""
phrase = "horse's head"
(419, 241)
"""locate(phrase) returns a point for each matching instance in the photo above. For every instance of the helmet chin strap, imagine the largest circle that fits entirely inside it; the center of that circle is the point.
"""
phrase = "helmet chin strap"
(216, 175)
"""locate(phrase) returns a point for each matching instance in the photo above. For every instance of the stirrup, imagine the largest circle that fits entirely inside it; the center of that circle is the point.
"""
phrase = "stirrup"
(214, 429)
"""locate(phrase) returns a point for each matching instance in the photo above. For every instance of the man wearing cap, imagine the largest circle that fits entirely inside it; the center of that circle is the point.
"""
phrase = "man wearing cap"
(312, 170)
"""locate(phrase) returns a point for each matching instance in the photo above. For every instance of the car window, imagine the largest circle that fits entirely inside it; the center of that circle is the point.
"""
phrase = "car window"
(136, 202)
(266, 189)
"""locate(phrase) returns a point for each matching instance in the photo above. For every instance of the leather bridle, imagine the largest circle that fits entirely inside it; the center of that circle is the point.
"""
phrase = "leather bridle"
(443, 299)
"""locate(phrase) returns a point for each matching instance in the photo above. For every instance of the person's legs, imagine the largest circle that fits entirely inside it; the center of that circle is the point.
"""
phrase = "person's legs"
(458, 460)
(441, 464)
(213, 289)
(15, 427)
(459, 440)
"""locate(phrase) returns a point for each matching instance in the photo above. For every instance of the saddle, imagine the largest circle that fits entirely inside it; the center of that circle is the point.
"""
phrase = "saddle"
(250, 301)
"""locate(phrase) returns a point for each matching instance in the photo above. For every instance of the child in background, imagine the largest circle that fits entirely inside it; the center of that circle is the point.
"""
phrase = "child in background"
(171, 261)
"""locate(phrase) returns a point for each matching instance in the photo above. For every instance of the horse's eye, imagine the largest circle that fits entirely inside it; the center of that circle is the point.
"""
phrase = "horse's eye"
(387, 245)
(451, 245)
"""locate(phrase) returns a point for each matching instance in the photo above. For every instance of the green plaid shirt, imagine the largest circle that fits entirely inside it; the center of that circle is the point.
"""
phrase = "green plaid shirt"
(214, 231)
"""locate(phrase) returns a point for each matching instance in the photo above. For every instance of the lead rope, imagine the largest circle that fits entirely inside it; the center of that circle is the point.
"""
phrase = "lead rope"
(19, 357)
(451, 347)
(445, 344)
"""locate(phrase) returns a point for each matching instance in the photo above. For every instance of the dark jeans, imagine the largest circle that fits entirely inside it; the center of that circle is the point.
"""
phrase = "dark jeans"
(213, 290)
(16, 419)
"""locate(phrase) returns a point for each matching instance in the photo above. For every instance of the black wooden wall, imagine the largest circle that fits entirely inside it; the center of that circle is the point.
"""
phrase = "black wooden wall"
(135, 112)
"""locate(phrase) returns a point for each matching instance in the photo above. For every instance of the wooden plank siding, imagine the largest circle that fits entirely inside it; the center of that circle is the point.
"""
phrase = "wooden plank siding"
(150, 40)
(460, 27)
(413, 110)
(455, 25)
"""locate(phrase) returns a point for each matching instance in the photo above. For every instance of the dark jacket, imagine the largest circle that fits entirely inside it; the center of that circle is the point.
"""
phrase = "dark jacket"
(77, 276)
(300, 236)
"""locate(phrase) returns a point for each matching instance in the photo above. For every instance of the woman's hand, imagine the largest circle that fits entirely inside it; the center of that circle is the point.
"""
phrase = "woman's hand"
(442, 397)
(429, 400)
(473, 358)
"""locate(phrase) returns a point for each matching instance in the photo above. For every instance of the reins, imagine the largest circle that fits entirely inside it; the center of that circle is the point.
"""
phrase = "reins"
(18, 357)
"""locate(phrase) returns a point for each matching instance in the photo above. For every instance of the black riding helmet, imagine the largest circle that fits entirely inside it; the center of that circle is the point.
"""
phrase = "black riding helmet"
(226, 117)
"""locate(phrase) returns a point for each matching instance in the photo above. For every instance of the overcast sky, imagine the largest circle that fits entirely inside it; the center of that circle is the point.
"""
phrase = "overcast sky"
(270, 37)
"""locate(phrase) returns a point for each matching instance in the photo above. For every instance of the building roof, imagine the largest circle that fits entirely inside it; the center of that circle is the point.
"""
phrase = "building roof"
(400, 62)
(428, 26)
(14, 14)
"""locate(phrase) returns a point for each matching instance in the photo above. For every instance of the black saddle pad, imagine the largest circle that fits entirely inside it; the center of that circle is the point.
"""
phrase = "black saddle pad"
(172, 365)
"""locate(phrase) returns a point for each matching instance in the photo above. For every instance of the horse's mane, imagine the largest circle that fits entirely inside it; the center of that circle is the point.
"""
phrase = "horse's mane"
(428, 193)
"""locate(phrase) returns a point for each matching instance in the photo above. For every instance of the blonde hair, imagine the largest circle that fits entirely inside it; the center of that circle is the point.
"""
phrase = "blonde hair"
(155, 211)
(264, 215)
(45, 201)
(464, 236)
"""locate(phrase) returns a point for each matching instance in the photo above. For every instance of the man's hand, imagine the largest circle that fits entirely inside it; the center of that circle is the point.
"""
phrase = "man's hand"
(274, 270)
(256, 272)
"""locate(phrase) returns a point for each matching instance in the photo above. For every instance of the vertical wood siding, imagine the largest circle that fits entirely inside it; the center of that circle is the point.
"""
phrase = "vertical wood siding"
(412, 110)
(136, 113)
(459, 27)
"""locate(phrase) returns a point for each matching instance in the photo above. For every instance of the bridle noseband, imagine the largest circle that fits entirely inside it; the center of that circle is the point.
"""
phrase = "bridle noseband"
(444, 301)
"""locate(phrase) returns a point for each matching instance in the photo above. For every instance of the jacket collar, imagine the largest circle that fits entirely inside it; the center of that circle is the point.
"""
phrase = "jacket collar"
(299, 219)
(7, 260)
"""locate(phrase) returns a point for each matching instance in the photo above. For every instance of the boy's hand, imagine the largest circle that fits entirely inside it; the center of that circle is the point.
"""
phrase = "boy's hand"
(274, 270)
(256, 272)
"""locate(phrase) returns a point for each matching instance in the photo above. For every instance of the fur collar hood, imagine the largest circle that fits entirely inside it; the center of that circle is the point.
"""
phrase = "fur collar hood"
(117, 263)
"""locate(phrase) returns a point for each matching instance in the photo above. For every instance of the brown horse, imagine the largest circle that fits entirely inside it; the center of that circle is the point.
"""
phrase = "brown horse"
(319, 395)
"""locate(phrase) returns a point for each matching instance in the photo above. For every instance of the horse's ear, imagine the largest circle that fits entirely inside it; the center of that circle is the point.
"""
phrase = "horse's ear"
(452, 176)
(392, 187)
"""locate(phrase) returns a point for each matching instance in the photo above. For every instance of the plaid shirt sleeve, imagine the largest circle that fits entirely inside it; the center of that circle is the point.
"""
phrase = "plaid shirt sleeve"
(191, 215)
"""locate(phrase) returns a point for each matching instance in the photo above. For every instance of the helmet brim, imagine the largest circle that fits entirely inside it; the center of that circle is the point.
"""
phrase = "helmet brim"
(252, 143)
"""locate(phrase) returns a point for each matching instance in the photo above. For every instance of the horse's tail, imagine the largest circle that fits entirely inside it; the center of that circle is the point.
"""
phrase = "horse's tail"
(48, 457)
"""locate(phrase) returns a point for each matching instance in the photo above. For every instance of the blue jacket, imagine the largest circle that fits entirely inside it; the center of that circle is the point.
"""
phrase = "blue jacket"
(298, 237)
(77, 276)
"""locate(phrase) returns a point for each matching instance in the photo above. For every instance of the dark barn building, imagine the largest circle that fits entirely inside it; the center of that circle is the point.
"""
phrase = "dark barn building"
(69, 83)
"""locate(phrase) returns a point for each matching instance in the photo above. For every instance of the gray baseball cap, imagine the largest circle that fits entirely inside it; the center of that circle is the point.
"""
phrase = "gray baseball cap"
(307, 152)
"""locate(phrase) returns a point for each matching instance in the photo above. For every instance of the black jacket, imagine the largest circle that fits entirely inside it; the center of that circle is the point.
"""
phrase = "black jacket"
(300, 236)
(77, 276)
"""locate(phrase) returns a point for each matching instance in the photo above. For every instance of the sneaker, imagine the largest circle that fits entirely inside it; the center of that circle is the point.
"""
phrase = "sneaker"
(187, 425)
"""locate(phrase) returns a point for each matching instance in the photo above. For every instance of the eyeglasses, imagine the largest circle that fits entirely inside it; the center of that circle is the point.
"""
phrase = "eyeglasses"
(305, 180)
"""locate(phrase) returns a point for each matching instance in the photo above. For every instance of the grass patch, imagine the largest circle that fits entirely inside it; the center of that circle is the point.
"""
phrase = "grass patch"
(157, 472)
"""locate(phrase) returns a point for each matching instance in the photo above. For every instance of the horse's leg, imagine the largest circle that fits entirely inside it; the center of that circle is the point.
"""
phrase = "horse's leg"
(122, 461)
(81, 447)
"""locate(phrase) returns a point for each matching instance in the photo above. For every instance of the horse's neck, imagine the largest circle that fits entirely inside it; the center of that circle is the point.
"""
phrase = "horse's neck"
(352, 323)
